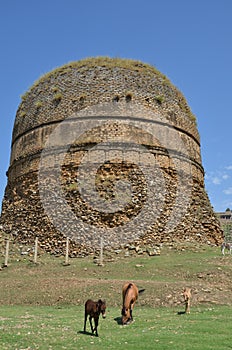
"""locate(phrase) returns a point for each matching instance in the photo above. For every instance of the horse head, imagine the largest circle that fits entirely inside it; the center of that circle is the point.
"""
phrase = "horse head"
(126, 315)
(186, 294)
(101, 305)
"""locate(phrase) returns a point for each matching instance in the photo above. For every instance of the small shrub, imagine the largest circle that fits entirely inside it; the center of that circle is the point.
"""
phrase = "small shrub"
(159, 99)
(57, 97)
(72, 187)
(129, 96)
(55, 89)
(38, 104)
(22, 114)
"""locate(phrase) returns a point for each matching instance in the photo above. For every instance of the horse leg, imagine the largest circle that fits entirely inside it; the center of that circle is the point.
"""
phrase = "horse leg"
(96, 325)
(85, 322)
(187, 307)
(91, 325)
(131, 309)
(131, 317)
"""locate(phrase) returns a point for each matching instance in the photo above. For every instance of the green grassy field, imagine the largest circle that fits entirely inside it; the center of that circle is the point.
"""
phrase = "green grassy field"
(46, 327)
(42, 305)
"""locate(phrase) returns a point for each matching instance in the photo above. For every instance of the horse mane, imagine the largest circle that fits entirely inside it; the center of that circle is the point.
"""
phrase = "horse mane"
(128, 287)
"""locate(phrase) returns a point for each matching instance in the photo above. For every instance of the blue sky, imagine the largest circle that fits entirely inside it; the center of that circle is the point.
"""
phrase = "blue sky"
(189, 41)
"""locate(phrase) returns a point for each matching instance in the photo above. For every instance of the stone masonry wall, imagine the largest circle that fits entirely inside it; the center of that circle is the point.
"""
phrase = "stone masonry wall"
(77, 87)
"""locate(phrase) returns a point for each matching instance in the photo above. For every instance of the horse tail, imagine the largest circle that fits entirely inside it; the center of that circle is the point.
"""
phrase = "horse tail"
(141, 291)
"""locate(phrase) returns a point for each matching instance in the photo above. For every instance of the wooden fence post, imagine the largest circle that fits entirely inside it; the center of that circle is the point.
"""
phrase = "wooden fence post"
(67, 252)
(7, 253)
(101, 253)
(36, 250)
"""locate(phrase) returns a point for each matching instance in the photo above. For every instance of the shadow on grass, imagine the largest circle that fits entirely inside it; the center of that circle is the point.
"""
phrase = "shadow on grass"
(118, 320)
(86, 333)
(181, 313)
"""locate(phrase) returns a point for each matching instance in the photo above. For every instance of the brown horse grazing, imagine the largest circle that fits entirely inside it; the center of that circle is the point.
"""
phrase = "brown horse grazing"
(129, 295)
(94, 309)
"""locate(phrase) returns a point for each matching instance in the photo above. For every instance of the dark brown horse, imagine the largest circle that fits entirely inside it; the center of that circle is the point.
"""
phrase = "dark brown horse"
(93, 309)
(129, 295)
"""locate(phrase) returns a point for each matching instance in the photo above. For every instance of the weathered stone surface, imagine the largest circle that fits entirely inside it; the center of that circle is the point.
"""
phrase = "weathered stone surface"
(72, 89)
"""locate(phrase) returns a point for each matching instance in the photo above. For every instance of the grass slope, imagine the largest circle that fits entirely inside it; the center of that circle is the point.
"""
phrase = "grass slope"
(41, 306)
